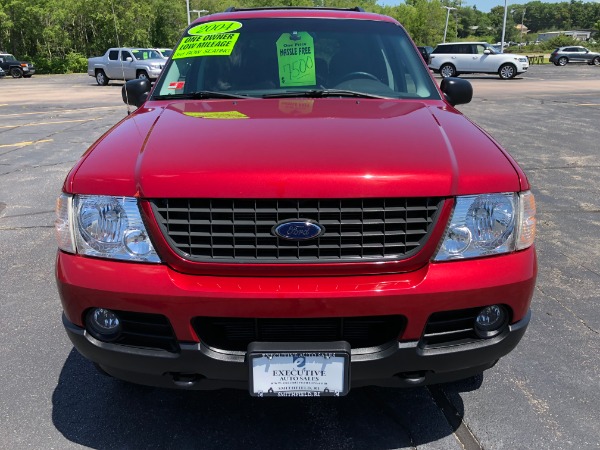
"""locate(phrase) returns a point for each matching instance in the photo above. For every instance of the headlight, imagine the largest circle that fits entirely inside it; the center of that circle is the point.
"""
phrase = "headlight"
(489, 224)
(103, 226)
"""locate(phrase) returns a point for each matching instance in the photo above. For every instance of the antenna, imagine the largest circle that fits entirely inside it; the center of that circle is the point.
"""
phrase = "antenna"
(112, 4)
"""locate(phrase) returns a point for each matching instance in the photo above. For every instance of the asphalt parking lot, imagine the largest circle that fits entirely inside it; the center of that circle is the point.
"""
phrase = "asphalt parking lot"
(544, 395)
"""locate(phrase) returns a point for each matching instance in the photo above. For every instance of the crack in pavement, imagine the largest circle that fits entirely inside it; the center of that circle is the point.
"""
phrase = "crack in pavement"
(583, 322)
(577, 263)
(569, 211)
(66, 129)
(21, 145)
(15, 127)
(462, 432)
(540, 407)
(23, 168)
(26, 228)
(28, 214)
(61, 111)
(530, 169)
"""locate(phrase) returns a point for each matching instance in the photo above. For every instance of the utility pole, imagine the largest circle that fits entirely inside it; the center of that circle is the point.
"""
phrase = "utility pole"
(448, 8)
(504, 26)
(522, 25)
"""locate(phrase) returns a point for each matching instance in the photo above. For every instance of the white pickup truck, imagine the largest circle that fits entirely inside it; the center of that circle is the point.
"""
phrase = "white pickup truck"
(126, 64)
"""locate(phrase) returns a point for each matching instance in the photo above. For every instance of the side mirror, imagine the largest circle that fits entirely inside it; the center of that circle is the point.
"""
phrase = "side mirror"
(135, 92)
(487, 51)
(129, 59)
(456, 91)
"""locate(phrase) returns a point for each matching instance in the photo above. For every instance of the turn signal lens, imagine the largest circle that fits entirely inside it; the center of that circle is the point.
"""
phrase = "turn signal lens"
(527, 220)
(63, 223)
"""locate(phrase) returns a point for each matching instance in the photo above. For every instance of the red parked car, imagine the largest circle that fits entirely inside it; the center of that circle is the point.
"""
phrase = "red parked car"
(295, 208)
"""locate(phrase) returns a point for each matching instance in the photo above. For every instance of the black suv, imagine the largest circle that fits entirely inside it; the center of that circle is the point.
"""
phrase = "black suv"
(564, 55)
(14, 67)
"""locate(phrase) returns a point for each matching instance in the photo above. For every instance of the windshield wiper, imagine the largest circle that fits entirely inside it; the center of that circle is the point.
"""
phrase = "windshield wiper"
(320, 93)
(203, 95)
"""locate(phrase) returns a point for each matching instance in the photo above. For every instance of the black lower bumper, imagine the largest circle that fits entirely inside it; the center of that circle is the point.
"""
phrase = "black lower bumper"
(195, 366)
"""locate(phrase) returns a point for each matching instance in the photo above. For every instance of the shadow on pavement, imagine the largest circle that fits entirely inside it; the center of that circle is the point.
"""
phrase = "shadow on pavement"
(96, 411)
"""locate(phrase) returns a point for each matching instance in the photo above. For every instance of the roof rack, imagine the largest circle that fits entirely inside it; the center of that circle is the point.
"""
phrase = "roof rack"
(234, 9)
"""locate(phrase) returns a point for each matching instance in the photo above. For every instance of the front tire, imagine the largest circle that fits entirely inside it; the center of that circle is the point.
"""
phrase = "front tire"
(596, 61)
(16, 72)
(101, 78)
(507, 71)
(142, 75)
(447, 70)
(562, 61)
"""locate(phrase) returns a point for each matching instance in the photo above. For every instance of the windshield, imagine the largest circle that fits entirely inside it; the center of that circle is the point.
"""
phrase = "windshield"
(289, 56)
(9, 58)
(145, 53)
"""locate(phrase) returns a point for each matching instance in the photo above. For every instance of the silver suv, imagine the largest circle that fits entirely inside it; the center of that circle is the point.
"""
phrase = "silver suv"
(450, 60)
(575, 53)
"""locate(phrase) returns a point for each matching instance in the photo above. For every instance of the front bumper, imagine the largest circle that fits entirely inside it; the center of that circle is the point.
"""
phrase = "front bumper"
(86, 283)
(399, 364)
(154, 73)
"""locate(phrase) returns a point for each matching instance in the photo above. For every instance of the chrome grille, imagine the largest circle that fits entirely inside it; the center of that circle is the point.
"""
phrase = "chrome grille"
(222, 230)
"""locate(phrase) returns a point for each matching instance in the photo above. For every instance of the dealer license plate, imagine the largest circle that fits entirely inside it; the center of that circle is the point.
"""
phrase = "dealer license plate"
(299, 374)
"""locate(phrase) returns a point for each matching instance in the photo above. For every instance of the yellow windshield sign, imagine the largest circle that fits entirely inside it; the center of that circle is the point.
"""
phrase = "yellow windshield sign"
(223, 26)
(296, 59)
(220, 44)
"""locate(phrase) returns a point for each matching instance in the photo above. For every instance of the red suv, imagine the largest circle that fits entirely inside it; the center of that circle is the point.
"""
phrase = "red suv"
(295, 208)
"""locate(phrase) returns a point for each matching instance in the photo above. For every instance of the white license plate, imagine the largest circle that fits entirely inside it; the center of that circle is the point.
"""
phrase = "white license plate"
(303, 374)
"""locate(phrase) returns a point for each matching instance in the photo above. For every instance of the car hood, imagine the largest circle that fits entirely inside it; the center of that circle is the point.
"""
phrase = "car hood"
(295, 148)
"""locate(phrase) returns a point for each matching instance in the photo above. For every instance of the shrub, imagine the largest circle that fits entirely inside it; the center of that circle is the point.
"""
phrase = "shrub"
(73, 62)
(560, 41)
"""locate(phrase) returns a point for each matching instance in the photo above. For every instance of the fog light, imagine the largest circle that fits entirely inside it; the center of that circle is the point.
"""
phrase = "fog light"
(490, 321)
(103, 324)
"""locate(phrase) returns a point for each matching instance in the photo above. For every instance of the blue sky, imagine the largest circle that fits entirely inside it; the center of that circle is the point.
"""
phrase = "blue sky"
(482, 5)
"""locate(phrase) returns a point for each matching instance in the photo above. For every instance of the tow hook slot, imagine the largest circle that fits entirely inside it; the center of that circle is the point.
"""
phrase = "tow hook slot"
(186, 380)
(413, 377)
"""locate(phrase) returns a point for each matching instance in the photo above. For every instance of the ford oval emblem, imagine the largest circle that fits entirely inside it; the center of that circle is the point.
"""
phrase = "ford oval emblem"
(298, 230)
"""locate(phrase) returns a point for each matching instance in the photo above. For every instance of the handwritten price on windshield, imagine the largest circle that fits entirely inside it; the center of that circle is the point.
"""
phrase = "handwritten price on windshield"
(297, 70)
